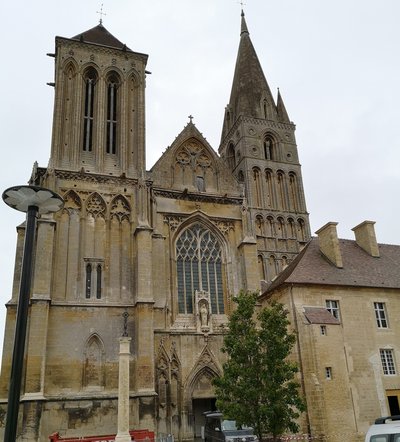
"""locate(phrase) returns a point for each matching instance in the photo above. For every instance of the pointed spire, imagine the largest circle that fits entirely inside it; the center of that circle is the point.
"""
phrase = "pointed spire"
(243, 28)
(282, 113)
(250, 90)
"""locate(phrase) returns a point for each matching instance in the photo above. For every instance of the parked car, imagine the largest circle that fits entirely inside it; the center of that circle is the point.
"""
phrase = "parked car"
(218, 429)
(385, 429)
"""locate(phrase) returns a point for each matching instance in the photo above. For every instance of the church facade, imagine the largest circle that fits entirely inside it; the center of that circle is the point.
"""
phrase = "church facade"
(170, 246)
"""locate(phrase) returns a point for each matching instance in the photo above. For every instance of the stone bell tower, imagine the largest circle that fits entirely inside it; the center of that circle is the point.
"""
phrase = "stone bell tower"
(259, 145)
(88, 271)
(99, 107)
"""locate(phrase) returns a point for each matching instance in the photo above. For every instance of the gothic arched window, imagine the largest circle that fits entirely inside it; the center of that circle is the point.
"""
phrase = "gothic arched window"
(93, 278)
(199, 267)
(293, 194)
(292, 228)
(90, 79)
(112, 114)
(231, 156)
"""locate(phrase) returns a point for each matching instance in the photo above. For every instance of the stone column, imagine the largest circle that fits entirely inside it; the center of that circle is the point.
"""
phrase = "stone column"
(123, 390)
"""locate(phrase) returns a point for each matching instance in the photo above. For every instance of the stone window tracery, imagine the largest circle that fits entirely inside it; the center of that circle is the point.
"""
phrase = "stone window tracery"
(96, 206)
(120, 209)
(199, 267)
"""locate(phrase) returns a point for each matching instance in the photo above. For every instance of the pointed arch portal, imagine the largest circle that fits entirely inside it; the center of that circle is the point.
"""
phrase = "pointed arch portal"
(202, 398)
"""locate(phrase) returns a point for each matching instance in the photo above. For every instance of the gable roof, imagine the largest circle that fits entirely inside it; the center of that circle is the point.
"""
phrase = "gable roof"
(359, 268)
(189, 131)
(99, 35)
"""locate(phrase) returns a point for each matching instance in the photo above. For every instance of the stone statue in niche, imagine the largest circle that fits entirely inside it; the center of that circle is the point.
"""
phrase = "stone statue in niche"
(203, 312)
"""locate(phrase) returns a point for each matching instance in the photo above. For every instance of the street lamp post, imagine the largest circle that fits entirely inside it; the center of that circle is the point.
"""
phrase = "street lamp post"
(32, 200)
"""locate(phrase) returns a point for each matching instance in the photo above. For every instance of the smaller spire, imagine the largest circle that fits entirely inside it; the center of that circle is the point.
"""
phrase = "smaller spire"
(243, 29)
(281, 109)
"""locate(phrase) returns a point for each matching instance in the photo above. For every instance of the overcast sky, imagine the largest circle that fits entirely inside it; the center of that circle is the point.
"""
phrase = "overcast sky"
(336, 62)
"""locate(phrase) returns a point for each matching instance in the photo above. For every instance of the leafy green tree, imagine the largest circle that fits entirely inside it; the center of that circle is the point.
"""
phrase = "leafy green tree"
(258, 386)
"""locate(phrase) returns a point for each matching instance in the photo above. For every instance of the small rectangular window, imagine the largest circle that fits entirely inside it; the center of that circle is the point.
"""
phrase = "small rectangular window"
(387, 360)
(333, 308)
(328, 373)
(380, 314)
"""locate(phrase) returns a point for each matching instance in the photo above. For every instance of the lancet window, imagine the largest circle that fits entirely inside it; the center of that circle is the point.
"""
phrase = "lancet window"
(93, 279)
(199, 267)
(112, 114)
(88, 116)
(231, 156)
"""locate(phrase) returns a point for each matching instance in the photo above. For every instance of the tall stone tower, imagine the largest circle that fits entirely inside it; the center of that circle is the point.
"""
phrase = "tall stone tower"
(259, 145)
(99, 112)
(88, 271)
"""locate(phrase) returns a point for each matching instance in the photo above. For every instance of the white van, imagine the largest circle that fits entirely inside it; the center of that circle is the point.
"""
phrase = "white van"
(386, 429)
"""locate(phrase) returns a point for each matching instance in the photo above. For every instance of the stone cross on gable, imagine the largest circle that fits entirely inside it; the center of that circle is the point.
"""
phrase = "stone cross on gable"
(191, 118)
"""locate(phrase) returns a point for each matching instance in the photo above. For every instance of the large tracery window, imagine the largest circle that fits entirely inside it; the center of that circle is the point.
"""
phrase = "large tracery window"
(199, 267)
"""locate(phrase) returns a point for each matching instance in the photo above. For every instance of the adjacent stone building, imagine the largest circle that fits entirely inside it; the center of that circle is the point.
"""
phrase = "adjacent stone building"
(343, 300)
(170, 246)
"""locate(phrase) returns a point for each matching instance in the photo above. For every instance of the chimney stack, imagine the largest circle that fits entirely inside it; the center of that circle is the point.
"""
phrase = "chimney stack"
(329, 243)
(366, 239)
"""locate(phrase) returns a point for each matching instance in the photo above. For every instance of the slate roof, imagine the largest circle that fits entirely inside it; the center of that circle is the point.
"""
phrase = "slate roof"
(359, 268)
(99, 35)
(319, 315)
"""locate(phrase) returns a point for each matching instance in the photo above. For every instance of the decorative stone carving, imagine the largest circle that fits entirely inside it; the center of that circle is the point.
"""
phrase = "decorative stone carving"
(193, 154)
(90, 178)
(120, 208)
(224, 226)
(197, 197)
(173, 221)
(96, 206)
(72, 200)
